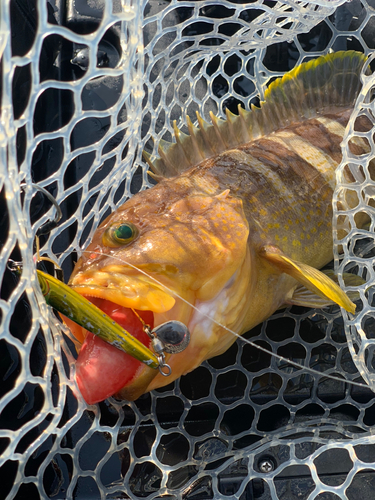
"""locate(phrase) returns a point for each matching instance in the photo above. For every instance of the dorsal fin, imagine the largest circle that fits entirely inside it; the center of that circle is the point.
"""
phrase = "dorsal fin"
(320, 85)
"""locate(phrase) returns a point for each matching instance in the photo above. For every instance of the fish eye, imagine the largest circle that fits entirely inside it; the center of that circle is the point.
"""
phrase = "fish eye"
(120, 234)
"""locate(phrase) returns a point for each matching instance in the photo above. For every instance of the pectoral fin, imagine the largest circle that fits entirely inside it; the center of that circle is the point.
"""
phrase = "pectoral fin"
(349, 280)
(305, 298)
(315, 281)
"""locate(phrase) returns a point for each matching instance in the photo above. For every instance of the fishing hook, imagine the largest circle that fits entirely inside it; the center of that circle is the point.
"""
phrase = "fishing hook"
(48, 226)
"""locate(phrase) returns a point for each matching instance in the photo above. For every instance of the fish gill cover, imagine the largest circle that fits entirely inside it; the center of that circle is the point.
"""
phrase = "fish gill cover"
(85, 87)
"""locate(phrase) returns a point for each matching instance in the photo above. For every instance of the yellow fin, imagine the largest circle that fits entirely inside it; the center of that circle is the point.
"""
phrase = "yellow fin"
(312, 87)
(349, 278)
(313, 279)
(306, 298)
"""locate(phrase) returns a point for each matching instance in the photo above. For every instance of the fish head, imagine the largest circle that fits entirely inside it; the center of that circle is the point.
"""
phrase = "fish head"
(162, 251)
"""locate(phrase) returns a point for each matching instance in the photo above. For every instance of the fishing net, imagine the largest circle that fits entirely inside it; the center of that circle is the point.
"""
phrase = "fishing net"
(85, 86)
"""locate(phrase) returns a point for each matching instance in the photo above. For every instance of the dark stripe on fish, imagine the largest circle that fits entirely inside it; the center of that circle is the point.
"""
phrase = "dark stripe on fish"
(342, 118)
(363, 124)
(293, 170)
(357, 146)
(320, 137)
(234, 168)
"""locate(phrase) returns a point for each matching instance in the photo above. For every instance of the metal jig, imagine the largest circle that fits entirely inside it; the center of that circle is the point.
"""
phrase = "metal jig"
(157, 345)
(171, 337)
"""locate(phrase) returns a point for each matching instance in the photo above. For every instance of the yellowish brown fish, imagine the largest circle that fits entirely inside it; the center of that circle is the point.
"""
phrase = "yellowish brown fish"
(238, 226)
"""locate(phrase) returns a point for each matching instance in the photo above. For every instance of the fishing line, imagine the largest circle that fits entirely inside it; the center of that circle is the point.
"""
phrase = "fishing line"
(247, 341)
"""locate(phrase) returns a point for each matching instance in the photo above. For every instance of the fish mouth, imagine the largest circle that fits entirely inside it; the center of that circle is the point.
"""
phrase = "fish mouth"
(125, 299)
(134, 292)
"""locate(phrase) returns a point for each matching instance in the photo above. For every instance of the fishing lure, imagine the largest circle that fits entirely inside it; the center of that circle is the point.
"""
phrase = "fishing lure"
(84, 313)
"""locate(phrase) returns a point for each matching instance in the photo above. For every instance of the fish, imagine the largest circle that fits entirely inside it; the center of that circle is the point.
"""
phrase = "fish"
(238, 225)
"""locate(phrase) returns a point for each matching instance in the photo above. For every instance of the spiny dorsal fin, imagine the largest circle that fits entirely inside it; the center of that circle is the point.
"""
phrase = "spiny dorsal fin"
(323, 84)
(314, 280)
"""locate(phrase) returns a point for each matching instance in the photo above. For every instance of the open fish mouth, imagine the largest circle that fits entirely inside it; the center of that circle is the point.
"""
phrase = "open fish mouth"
(118, 296)
(132, 302)
(127, 291)
(111, 290)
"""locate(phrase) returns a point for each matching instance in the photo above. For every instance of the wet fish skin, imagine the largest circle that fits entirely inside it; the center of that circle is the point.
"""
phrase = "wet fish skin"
(240, 219)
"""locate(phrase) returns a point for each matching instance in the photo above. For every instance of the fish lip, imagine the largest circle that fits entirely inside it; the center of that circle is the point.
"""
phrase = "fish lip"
(117, 297)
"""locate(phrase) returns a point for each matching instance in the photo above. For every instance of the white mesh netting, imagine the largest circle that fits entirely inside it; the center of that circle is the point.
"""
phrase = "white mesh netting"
(86, 85)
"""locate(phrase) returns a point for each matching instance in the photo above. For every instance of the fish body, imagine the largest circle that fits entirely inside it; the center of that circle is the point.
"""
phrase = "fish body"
(238, 225)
